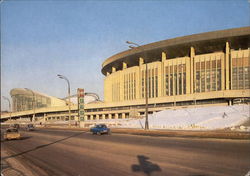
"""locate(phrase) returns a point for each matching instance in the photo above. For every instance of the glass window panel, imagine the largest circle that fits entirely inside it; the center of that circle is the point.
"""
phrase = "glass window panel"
(180, 83)
(171, 84)
(184, 83)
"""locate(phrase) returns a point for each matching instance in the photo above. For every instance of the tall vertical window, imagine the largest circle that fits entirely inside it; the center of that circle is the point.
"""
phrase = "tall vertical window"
(218, 74)
(208, 85)
(184, 78)
(156, 82)
(246, 72)
(213, 76)
(166, 81)
(234, 74)
(240, 73)
(203, 77)
(171, 80)
(175, 79)
(126, 87)
(198, 77)
(180, 79)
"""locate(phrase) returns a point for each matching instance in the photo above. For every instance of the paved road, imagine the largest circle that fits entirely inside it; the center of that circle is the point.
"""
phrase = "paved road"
(58, 152)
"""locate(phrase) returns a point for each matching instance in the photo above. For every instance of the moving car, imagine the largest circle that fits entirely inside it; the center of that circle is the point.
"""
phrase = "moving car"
(30, 127)
(11, 133)
(100, 129)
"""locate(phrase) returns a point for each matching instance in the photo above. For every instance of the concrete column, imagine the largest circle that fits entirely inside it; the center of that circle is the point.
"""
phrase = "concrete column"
(91, 117)
(223, 75)
(124, 65)
(227, 63)
(141, 61)
(97, 116)
(108, 73)
(163, 56)
(113, 69)
(85, 118)
(192, 55)
(137, 114)
(116, 116)
(162, 74)
(44, 116)
(103, 116)
(110, 116)
(188, 87)
(123, 115)
(138, 83)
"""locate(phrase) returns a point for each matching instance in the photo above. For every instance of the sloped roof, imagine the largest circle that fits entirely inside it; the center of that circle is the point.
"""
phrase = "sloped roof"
(179, 47)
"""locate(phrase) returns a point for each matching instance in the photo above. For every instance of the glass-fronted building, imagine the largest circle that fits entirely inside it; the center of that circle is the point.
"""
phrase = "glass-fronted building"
(25, 99)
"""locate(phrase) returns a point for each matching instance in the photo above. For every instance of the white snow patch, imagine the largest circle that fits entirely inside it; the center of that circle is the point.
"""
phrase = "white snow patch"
(202, 118)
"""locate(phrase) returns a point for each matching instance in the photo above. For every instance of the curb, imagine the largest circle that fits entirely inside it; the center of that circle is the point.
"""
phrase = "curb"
(169, 133)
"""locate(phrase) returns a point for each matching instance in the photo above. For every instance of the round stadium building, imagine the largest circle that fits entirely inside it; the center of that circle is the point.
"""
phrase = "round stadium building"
(201, 69)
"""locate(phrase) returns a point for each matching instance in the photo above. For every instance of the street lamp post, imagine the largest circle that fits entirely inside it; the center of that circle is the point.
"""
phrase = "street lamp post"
(146, 82)
(33, 105)
(63, 77)
(9, 104)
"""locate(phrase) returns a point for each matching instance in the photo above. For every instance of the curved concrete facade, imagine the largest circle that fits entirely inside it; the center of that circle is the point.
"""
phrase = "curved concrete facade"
(205, 68)
(178, 47)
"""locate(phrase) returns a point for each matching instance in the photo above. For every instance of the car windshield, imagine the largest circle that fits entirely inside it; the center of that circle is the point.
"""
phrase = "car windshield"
(11, 130)
(101, 126)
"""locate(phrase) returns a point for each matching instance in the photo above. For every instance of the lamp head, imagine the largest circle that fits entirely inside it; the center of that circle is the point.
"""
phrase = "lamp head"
(60, 76)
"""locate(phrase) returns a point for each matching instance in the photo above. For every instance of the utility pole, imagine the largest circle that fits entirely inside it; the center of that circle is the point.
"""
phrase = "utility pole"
(66, 79)
(146, 82)
(9, 104)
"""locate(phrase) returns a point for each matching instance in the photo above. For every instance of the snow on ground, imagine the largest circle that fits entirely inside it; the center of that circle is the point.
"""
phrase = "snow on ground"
(202, 118)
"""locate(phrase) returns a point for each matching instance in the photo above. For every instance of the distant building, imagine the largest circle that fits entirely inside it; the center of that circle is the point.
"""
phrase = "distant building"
(197, 70)
(25, 99)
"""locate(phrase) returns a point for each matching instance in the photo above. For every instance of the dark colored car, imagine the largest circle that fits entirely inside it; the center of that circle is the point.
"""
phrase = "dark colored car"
(100, 129)
(17, 126)
(30, 127)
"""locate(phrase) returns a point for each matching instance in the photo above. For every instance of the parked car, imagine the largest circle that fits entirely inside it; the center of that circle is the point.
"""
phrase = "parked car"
(30, 127)
(100, 129)
(17, 126)
(11, 133)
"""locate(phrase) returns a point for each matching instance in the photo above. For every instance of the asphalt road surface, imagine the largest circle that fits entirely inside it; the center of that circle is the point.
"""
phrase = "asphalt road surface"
(59, 153)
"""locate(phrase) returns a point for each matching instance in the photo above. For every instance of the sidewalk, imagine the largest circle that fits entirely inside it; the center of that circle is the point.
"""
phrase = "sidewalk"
(13, 167)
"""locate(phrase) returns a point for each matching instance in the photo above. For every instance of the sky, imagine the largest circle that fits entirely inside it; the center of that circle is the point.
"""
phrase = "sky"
(43, 38)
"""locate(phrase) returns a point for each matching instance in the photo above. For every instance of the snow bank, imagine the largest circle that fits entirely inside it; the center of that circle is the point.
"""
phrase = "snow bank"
(202, 118)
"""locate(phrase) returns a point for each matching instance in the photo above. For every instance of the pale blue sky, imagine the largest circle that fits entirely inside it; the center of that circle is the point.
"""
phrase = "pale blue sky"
(41, 39)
